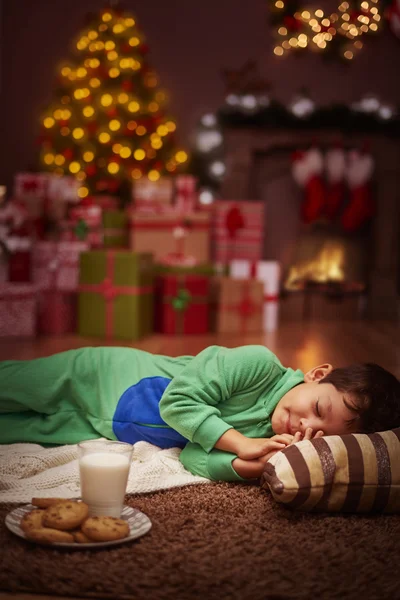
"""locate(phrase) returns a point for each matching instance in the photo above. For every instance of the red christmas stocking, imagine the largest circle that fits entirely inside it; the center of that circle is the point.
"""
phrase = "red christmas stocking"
(360, 209)
(313, 205)
(335, 163)
(307, 170)
(361, 206)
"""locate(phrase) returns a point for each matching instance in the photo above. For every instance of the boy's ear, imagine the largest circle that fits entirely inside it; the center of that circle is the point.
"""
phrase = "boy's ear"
(318, 373)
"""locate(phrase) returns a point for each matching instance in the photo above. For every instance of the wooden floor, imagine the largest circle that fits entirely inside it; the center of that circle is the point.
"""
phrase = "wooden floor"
(298, 345)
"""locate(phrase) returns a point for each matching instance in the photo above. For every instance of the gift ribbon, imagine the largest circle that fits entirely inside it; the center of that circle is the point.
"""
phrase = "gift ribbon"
(167, 225)
(181, 301)
(110, 291)
(246, 307)
(186, 187)
(30, 185)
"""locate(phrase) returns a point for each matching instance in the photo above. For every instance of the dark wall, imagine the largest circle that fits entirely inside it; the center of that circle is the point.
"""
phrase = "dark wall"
(189, 41)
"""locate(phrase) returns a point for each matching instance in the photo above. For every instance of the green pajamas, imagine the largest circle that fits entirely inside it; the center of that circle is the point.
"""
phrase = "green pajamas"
(132, 395)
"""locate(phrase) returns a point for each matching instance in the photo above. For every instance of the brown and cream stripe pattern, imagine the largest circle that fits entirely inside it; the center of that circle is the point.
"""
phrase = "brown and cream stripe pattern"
(350, 473)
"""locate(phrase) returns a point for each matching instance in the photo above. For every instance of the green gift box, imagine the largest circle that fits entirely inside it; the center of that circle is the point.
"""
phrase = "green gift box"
(116, 294)
(115, 229)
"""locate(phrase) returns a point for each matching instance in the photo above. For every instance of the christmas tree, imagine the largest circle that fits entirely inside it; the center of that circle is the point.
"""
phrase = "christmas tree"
(108, 123)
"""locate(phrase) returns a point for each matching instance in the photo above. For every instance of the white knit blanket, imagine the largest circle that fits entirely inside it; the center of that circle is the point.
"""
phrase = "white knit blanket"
(28, 470)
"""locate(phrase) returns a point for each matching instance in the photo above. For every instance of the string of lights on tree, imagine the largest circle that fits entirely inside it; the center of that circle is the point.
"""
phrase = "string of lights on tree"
(341, 33)
(108, 123)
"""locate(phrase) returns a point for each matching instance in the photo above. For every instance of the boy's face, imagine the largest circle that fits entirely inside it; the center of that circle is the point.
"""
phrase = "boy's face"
(313, 404)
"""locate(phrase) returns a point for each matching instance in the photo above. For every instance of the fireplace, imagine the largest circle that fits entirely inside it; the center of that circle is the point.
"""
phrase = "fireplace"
(326, 273)
(326, 258)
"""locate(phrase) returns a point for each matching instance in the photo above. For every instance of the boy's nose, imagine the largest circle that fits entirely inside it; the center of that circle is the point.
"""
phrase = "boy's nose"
(305, 423)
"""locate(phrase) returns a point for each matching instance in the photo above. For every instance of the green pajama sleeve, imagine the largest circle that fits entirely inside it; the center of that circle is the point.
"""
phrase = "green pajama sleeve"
(216, 465)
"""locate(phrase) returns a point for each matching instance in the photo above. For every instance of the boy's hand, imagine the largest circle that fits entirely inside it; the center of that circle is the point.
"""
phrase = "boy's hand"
(252, 448)
(308, 435)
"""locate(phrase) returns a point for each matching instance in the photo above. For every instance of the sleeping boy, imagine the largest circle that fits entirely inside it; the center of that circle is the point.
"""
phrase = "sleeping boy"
(229, 409)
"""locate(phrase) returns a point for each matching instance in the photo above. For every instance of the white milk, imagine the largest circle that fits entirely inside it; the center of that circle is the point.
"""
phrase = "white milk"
(104, 477)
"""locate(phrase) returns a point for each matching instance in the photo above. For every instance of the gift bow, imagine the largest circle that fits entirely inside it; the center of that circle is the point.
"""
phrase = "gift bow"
(181, 301)
(81, 230)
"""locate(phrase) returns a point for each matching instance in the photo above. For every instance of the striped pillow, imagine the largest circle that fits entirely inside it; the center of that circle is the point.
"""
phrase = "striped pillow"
(350, 473)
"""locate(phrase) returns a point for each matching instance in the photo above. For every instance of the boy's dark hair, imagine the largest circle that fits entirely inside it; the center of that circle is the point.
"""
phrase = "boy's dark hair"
(372, 392)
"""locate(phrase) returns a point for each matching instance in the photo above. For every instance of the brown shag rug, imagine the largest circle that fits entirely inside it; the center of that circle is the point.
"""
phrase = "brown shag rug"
(225, 541)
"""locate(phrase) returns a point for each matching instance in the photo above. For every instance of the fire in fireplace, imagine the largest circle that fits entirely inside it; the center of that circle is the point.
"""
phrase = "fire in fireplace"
(332, 260)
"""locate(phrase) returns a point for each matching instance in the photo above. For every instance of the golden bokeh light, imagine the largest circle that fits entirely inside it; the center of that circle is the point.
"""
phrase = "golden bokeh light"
(78, 133)
(104, 137)
(113, 168)
(181, 156)
(48, 122)
(88, 156)
(114, 125)
(133, 106)
(48, 158)
(153, 175)
(94, 82)
(139, 154)
(106, 100)
(88, 111)
(83, 192)
(125, 152)
(75, 167)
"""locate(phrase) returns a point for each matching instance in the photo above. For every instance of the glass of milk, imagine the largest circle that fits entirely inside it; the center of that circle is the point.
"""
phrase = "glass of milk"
(104, 468)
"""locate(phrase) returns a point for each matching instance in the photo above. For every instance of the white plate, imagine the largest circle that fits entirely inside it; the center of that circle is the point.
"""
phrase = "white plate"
(138, 522)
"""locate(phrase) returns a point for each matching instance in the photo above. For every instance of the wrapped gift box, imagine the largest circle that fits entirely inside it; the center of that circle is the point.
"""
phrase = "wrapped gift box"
(115, 229)
(152, 195)
(185, 193)
(269, 273)
(55, 265)
(240, 306)
(17, 310)
(55, 272)
(184, 303)
(237, 230)
(150, 232)
(116, 294)
(63, 189)
(31, 189)
(84, 224)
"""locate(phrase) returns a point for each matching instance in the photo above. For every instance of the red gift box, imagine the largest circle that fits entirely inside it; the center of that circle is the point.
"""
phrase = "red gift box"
(56, 274)
(17, 310)
(238, 230)
(85, 224)
(184, 303)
